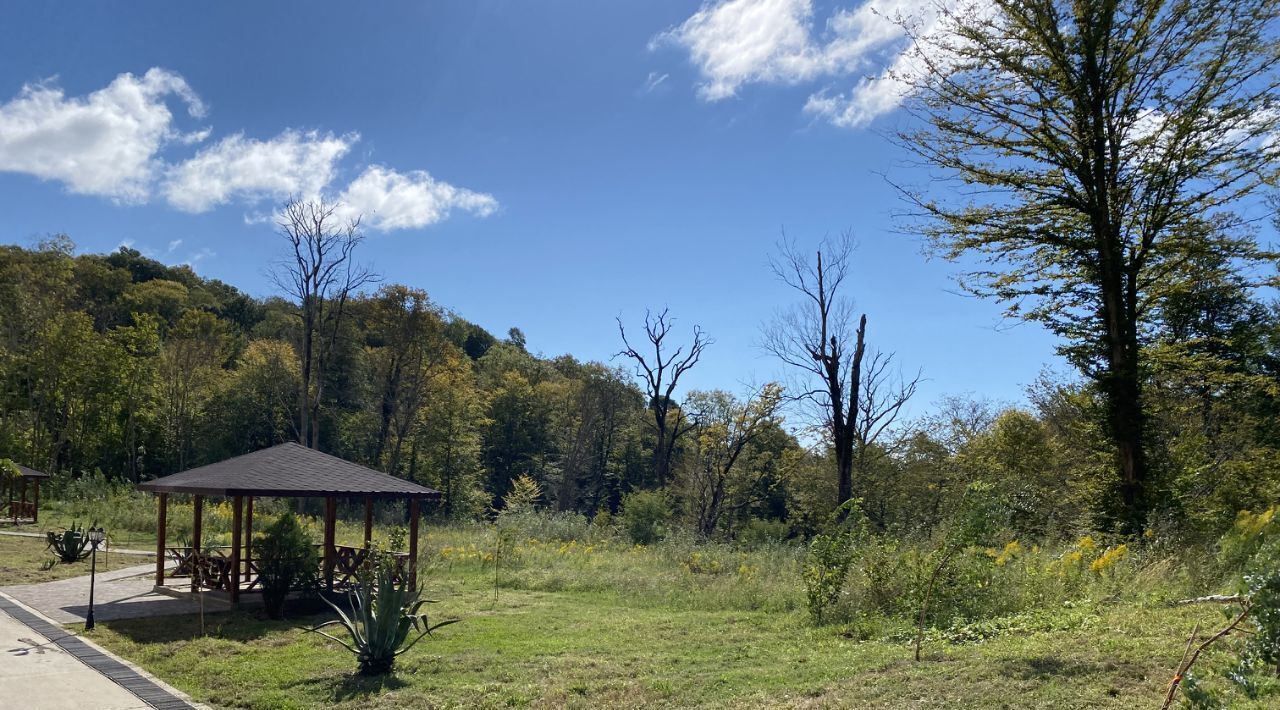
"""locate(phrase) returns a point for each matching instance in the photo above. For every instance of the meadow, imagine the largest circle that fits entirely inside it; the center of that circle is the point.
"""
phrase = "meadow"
(558, 610)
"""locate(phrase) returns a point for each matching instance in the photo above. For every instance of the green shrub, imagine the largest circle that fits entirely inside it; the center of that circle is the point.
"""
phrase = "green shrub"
(757, 533)
(286, 562)
(830, 556)
(644, 516)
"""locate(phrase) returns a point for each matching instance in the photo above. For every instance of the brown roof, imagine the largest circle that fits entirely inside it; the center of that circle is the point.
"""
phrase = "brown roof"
(288, 470)
(31, 472)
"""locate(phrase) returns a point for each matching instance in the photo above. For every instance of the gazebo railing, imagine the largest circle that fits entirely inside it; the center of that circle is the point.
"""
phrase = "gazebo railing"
(21, 509)
(215, 567)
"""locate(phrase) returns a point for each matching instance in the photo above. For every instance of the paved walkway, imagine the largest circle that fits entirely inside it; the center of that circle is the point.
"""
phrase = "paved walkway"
(126, 593)
(45, 668)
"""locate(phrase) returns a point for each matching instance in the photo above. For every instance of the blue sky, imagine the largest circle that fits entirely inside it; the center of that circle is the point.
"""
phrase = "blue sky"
(543, 165)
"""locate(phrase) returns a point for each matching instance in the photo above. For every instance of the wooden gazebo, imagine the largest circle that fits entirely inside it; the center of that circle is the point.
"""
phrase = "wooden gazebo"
(283, 471)
(21, 509)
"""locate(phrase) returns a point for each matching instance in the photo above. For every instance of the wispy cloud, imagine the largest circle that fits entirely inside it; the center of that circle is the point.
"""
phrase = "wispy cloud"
(654, 80)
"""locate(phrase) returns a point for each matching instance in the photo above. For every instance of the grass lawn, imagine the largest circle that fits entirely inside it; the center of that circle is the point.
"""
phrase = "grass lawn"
(550, 640)
(23, 561)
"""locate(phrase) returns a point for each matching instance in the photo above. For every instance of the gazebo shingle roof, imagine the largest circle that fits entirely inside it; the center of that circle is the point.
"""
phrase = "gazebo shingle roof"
(27, 472)
(289, 470)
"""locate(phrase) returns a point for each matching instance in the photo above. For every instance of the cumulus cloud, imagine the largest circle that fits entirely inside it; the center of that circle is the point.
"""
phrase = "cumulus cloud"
(236, 167)
(738, 42)
(389, 200)
(104, 143)
(111, 143)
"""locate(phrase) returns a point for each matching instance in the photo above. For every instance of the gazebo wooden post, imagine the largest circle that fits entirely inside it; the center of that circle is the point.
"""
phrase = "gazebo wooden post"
(368, 522)
(237, 521)
(162, 518)
(19, 508)
(413, 542)
(35, 512)
(330, 518)
(197, 524)
(197, 540)
(248, 533)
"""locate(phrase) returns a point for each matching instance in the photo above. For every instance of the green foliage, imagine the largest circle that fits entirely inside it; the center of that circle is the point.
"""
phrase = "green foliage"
(830, 556)
(384, 611)
(70, 545)
(644, 516)
(523, 496)
(286, 563)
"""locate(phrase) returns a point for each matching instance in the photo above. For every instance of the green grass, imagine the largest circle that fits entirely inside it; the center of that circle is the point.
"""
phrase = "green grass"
(23, 561)
(601, 623)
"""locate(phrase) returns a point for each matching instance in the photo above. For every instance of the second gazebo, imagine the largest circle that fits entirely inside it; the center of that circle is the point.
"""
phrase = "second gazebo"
(283, 471)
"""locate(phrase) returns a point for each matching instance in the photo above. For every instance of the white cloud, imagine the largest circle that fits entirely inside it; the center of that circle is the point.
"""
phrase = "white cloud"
(110, 143)
(101, 144)
(389, 200)
(654, 80)
(735, 42)
(236, 167)
(174, 244)
(738, 42)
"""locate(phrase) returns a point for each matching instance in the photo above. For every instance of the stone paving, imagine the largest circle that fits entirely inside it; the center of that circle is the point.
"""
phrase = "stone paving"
(51, 668)
(126, 593)
(36, 673)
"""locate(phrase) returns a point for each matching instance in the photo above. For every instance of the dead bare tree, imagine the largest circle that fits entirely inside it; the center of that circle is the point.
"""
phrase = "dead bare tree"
(661, 373)
(321, 274)
(817, 337)
(884, 391)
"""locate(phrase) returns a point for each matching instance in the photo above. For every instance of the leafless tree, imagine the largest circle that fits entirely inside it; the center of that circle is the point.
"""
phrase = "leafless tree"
(885, 390)
(321, 274)
(661, 372)
(817, 336)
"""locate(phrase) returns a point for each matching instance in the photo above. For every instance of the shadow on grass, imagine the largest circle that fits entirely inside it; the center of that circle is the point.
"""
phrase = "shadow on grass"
(1044, 667)
(232, 626)
(351, 687)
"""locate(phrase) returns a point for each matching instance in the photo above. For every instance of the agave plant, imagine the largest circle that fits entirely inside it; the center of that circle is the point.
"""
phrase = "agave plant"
(384, 612)
(70, 545)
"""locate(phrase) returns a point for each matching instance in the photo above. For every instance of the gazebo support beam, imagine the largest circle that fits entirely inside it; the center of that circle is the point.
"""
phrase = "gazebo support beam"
(35, 512)
(368, 522)
(248, 532)
(330, 518)
(162, 518)
(237, 521)
(413, 542)
(197, 524)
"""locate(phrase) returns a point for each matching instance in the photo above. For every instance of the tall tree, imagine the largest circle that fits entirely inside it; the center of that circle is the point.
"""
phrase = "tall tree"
(661, 372)
(817, 337)
(321, 273)
(1096, 148)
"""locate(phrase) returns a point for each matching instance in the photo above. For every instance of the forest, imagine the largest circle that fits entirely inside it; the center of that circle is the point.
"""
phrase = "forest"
(122, 367)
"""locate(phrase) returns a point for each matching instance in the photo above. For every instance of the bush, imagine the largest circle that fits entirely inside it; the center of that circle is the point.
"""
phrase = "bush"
(758, 533)
(830, 556)
(644, 516)
(286, 561)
